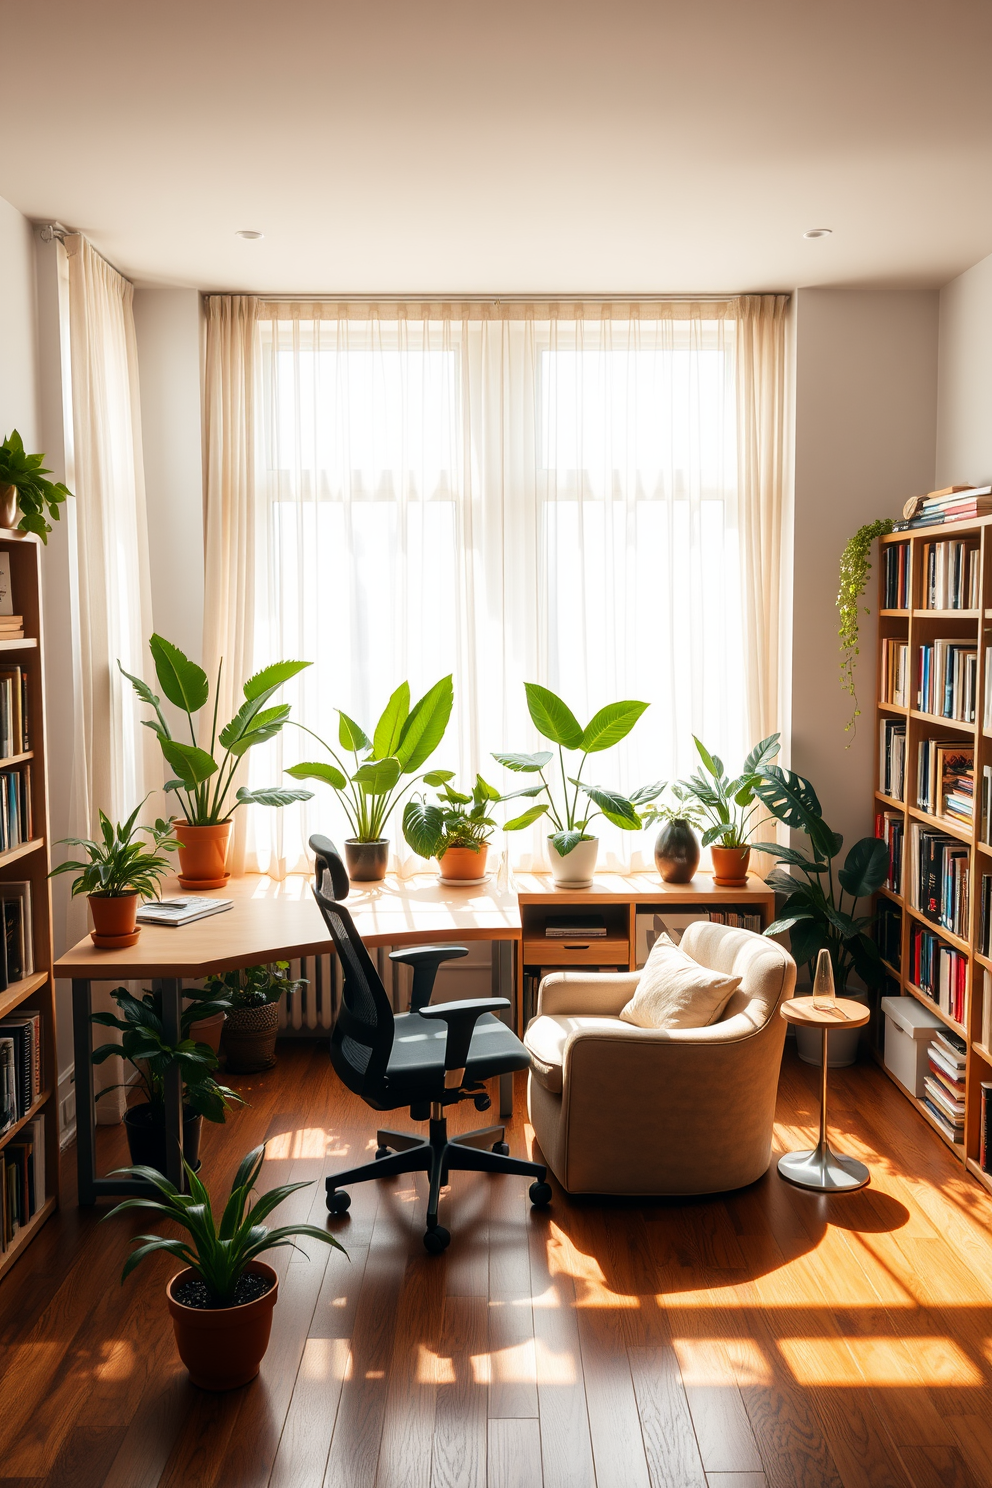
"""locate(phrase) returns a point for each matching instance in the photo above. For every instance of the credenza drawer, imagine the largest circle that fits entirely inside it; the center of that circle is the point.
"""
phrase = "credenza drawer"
(577, 952)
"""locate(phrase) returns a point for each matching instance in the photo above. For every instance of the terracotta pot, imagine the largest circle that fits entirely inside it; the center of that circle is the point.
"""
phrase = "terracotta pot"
(203, 854)
(208, 1031)
(676, 851)
(223, 1347)
(730, 866)
(9, 512)
(250, 1038)
(366, 860)
(114, 923)
(576, 869)
(146, 1136)
(464, 862)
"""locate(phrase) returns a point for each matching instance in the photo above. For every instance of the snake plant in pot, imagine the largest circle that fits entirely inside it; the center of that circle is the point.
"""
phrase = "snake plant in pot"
(572, 804)
(204, 777)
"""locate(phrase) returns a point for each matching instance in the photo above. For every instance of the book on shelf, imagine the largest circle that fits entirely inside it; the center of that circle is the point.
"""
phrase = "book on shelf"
(945, 779)
(950, 572)
(888, 932)
(984, 1134)
(985, 917)
(24, 1029)
(17, 940)
(944, 891)
(947, 679)
(895, 577)
(892, 757)
(8, 1083)
(22, 1179)
(894, 686)
(578, 926)
(986, 1029)
(939, 971)
(181, 911)
(13, 711)
(916, 504)
(890, 829)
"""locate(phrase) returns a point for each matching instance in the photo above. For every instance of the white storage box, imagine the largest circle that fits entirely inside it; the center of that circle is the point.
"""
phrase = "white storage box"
(909, 1029)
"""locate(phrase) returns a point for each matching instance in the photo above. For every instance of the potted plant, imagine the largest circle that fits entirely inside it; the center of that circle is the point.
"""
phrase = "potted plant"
(455, 830)
(121, 871)
(252, 1023)
(816, 913)
(855, 567)
(372, 788)
(201, 781)
(676, 848)
(26, 497)
(572, 849)
(221, 1302)
(144, 1047)
(730, 807)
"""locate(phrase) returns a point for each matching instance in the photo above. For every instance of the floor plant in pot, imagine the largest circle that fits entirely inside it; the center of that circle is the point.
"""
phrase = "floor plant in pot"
(143, 1045)
(26, 497)
(119, 871)
(729, 807)
(573, 804)
(382, 770)
(221, 1303)
(203, 777)
(455, 828)
(252, 1023)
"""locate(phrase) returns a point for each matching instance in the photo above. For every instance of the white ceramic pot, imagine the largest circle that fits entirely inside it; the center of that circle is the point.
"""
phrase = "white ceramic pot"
(577, 868)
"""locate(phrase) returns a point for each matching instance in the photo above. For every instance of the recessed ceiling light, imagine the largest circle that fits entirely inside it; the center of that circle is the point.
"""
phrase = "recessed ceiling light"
(814, 232)
(249, 233)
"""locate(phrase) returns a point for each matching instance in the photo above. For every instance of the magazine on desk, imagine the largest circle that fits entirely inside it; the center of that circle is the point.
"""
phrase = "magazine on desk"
(181, 911)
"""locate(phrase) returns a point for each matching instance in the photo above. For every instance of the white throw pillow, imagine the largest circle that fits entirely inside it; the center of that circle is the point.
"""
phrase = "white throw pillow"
(676, 992)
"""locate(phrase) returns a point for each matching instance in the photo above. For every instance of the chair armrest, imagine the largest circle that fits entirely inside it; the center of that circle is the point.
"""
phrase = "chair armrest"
(425, 961)
(461, 1018)
(603, 992)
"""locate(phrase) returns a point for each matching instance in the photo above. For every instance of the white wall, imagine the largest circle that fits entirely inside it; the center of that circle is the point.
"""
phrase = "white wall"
(964, 386)
(168, 329)
(18, 361)
(865, 409)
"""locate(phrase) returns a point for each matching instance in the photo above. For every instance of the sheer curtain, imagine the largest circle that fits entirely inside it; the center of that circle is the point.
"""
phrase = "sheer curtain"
(507, 493)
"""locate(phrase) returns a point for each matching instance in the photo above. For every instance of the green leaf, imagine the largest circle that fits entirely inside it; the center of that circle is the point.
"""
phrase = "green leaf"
(610, 725)
(615, 807)
(792, 799)
(865, 867)
(423, 827)
(424, 729)
(191, 764)
(761, 755)
(265, 682)
(247, 729)
(351, 734)
(789, 855)
(440, 777)
(645, 793)
(377, 777)
(807, 938)
(785, 923)
(486, 792)
(712, 763)
(183, 682)
(389, 729)
(317, 770)
(272, 795)
(531, 815)
(527, 790)
(553, 718)
(564, 842)
(142, 689)
(525, 764)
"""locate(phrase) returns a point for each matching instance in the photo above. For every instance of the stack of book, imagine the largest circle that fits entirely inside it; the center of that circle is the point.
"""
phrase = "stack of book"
(14, 737)
(938, 971)
(895, 576)
(579, 925)
(945, 779)
(984, 1133)
(889, 829)
(895, 673)
(11, 627)
(737, 919)
(951, 504)
(17, 937)
(20, 1046)
(16, 810)
(947, 679)
(950, 575)
(892, 758)
(888, 932)
(944, 1084)
(22, 1179)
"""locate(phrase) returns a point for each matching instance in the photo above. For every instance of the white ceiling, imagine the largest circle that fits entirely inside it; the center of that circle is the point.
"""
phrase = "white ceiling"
(524, 146)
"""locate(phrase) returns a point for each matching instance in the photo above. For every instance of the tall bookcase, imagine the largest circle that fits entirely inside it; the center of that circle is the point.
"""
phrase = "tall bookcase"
(29, 862)
(917, 624)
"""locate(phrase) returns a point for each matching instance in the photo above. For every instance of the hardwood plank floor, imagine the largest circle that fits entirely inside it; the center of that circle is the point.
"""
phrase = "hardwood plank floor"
(764, 1339)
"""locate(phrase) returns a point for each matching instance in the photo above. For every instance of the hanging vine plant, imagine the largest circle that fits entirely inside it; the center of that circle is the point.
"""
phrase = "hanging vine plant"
(855, 567)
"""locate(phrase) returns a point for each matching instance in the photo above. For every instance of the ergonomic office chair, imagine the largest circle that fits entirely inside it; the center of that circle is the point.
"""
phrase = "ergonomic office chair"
(427, 1059)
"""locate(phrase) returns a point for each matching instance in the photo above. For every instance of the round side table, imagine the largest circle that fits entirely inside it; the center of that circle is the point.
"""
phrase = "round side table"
(820, 1168)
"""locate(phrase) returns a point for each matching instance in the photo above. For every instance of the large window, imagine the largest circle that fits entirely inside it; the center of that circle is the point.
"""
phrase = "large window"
(542, 498)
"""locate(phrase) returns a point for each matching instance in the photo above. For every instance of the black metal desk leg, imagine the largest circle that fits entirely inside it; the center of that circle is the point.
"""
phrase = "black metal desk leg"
(171, 989)
(82, 1045)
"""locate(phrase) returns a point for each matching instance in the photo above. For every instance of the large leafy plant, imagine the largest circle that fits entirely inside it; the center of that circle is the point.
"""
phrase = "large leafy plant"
(120, 863)
(573, 804)
(729, 806)
(143, 1045)
(202, 781)
(453, 820)
(36, 496)
(816, 912)
(218, 1253)
(372, 786)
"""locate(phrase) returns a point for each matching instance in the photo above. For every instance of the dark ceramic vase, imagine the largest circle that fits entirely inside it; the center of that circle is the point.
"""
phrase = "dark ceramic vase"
(366, 860)
(676, 852)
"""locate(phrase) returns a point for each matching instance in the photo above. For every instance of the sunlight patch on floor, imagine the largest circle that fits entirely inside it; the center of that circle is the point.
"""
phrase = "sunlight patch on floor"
(720, 1361)
(325, 1360)
(116, 1360)
(306, 1142)
(877, 1361)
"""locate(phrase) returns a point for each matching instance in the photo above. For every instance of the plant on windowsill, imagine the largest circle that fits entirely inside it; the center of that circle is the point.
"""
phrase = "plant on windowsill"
(143, 1045)
(120, 872)
(371, 789)
(252, 1023)
(221, 1302)
(202, 782)
(855, 567)
(676, 850)
(572, 849)
(730, 807)
(26, 497)
(456, 829)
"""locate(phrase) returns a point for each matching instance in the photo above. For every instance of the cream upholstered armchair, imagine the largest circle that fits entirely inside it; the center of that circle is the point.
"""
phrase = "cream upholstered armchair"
(625, 1110)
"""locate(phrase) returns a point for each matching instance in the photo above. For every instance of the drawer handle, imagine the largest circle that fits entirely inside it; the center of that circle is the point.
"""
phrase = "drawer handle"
(577, 947)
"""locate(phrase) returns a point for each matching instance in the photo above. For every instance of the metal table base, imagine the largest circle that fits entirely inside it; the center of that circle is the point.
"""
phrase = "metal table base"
(819, 1168)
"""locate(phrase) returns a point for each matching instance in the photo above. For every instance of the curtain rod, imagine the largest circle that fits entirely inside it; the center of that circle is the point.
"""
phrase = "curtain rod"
(434, 297)
(52, 230)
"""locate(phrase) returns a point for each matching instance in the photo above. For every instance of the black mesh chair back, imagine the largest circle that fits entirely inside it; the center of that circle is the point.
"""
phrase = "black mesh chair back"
(363, 1032)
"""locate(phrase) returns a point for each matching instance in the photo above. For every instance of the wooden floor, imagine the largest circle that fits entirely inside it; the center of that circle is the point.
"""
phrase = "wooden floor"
(771, 1337)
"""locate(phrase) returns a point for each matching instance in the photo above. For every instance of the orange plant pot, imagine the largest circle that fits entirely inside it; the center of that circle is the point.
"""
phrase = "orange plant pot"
(114, 920)
(203, 855)
(730, 866)
(223, 1347)
(464, 862)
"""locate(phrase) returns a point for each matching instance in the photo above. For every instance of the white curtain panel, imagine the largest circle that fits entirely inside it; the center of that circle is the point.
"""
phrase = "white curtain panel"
(547, 493)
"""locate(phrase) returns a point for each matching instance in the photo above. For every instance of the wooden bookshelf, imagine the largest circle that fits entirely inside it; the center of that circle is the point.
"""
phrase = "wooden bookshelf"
(918, 625)
(29, 861)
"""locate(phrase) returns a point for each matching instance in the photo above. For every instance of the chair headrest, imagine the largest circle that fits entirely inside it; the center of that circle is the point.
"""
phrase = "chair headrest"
(329, 861)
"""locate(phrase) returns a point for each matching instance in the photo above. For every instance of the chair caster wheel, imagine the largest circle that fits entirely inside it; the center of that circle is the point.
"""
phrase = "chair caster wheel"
(482, 1102)
(437, 1239)
(382, 1152)
(539, 1194)
(503, 1148)
(338, 1201)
